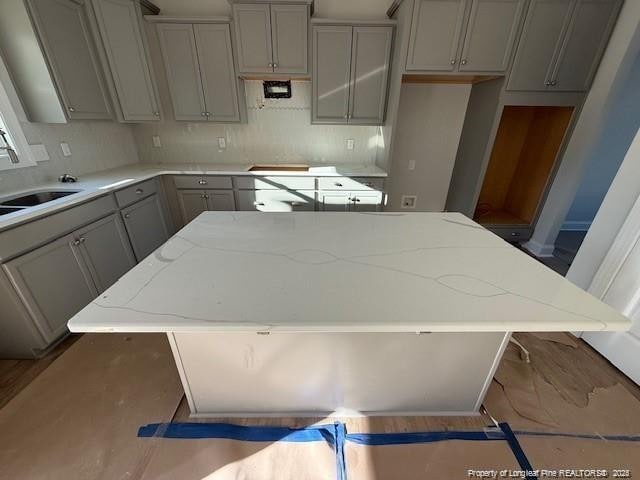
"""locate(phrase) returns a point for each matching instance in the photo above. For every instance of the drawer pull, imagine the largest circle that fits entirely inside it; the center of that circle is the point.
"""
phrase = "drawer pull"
(515, 234)
(338, 184)
(202, 181)
(258, 204)
(75, 243)
(126, 215)
(139, 191)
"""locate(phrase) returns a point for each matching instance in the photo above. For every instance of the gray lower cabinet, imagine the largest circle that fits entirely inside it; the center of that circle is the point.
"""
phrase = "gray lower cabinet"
(463, 35)
(561, 44)
(106, 251)
(271, 38)
(54, 284)
(330, 201)
(146, 227)
(120, 27)
(194, 202)
(198, 62)
(276, 200)
(350, 73)
(64, 33)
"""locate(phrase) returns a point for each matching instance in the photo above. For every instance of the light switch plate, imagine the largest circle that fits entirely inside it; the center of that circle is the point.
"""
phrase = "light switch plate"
(66, 149)
(351, 143)
(412, 164)
(222, 143)
(408, 201)
(156, 141)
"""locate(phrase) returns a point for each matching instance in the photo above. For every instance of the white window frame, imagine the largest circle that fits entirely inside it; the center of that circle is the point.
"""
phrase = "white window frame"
(10, 114)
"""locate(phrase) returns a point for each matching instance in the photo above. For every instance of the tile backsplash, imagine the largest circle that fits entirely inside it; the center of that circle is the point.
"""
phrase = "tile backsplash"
(94, 146)
(277, 131)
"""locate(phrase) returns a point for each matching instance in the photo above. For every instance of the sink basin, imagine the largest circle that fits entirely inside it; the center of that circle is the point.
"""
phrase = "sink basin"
(37, 198)
(279, 168)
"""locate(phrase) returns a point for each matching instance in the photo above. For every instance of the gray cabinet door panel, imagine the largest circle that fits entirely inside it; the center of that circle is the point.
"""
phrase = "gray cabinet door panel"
(290, 36)
(122, 36)
(192, 203)
(331, 73)
(146, 226)
(436, 29)
(334, 201)
(490, 35)
(369, 74)
(587, 36)
(253, 36)
(180, 57)
(220, 200)
(365, 201)
(217, 72)
(64, 33)
(276, 200)
(540, 41)
(53, 284)
(106, 250)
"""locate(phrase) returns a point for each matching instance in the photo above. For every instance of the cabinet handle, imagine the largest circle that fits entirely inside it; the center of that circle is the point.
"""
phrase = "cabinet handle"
(297, 204)
(71, 109)
(204, 114)
(157, 114)
(338, 184)
(553, 83)
(275, 65)
(126, 215)
(271, 65)
(368, 184)
(75, 243)
(464, 62)
(82, 239)
(202, 181)
(139, 191)
(258, 204)
(453, 62)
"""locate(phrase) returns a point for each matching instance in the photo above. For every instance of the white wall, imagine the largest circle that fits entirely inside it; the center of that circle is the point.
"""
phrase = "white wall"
(429, 124)
(361, 9)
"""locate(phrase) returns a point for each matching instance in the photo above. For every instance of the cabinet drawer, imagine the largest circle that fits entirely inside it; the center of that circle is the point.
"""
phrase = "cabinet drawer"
(350, 183)
(275, 183)
(202, 182)
(276, 200)
(136, 192)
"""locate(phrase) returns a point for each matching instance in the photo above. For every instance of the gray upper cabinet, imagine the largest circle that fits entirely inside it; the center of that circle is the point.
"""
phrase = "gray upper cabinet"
(106, 251)
(181, 64)
(271, 38)
(119, 22)
(587, 36)
(561, 44)
(145, 225)
(65, 36)
(436, 30)
(217, 72)
(350, 73)
(491, 32)
(200, 71)
(369, 74)
(51, 302)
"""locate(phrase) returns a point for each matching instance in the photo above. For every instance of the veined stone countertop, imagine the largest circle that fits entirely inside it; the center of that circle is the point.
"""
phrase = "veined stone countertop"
(99, 183)
(341, 272)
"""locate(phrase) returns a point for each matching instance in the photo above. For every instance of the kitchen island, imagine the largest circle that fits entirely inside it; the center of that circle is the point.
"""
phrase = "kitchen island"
(340, 313)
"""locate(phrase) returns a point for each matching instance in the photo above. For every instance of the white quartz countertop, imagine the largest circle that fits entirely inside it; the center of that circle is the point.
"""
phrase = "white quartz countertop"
(99, 183)
(341, 272)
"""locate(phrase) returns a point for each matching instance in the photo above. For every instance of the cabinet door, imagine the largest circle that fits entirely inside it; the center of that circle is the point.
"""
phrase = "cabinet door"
(331, 73)
(436, 30)
(192, 203)
(289, 36)
(119, 22)
(369, 74)
(253, 37)
(220, 200)
(180, 56)
(276, 200)
(64, 34)
(54, 285)
(106, 250)
(587, 36)
(217, 72)
(334, 201)
(145, 225)
(540, 40)
(365, 201)
(490, 35)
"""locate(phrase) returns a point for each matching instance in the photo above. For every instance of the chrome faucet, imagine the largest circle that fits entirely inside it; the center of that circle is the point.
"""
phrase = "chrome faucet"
(66, 178)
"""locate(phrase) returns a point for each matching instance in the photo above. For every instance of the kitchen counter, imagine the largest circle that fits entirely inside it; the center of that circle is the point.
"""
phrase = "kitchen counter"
(100, 183)
(340, 313)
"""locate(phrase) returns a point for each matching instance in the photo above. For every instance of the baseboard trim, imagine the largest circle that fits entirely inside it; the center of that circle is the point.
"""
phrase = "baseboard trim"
(574, 226)
(539, 249)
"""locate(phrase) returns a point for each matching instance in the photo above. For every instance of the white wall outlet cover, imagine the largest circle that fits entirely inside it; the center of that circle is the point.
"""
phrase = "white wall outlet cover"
(412, 164)
(222, 143)
(39, 153)
(351, 143)
(66, 149)
(408, 201)
(156, 141)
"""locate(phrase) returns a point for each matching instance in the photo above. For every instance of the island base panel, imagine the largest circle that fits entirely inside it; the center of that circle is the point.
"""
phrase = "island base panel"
(339, 374)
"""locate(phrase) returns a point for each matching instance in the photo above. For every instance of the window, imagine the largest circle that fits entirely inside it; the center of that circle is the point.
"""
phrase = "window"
(10, 124)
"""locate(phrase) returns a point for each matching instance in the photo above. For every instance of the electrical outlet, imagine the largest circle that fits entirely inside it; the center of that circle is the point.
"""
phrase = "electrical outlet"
(351, 143)
(156, 141)
(222, 143)
(66, 149)
(412, 164)
(408, 201)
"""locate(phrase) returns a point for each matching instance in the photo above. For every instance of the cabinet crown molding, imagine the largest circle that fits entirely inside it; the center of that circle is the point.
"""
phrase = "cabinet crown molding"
(172, 19)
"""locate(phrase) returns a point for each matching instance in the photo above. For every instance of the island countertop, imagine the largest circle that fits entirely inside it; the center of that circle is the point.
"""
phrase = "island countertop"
(342, 272)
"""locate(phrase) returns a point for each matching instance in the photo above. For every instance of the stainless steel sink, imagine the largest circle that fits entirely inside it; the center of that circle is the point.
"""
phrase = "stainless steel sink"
(36, 198)
(7, 210)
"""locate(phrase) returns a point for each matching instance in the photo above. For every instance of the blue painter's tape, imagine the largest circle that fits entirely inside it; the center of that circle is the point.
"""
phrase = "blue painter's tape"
(341, 436)
(373, 439)
(522, 459)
